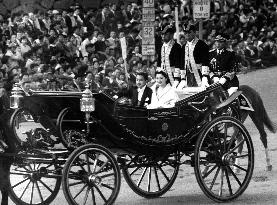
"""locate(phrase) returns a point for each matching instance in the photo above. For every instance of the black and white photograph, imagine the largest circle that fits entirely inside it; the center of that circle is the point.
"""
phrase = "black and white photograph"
(138, 102)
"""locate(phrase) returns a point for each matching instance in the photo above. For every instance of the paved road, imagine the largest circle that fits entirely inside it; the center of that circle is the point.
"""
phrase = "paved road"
(263, 187)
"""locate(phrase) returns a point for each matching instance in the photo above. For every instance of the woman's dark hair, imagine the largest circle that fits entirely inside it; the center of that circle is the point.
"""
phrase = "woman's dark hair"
(164, 74)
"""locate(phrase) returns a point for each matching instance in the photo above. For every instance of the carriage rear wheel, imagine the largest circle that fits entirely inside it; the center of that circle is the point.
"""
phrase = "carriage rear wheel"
(150, 177)
(216, 152)
(34, 183)
(91, 175)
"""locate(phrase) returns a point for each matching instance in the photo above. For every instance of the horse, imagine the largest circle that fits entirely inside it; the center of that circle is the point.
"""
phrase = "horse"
(259, 117)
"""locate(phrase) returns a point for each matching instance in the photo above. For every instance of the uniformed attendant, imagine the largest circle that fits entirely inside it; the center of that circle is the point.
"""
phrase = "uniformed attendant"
(223, 65)
(196, 58)
(170, 57)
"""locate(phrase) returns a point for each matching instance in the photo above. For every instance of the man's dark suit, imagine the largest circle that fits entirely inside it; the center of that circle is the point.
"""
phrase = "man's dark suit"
(133, 94)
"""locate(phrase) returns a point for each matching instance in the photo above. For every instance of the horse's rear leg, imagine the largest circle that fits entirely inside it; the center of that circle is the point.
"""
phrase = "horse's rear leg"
(263, 136)
(5, 197)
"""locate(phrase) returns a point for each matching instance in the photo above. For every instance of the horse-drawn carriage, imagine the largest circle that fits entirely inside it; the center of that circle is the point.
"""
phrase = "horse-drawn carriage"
(102, 136)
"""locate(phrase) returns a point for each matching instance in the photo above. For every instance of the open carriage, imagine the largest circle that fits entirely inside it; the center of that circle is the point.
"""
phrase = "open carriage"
(148, 146)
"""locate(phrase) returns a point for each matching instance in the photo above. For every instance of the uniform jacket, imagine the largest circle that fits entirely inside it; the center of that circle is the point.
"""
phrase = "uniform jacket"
(175, 56)
(166, 99)
(225, 62)
(200, 53)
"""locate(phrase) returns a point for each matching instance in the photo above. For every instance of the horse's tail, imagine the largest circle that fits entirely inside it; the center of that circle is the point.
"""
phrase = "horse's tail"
(258, 105)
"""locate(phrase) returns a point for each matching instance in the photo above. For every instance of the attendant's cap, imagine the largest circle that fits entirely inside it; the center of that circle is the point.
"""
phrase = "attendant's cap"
(168, 29)
(220, 38)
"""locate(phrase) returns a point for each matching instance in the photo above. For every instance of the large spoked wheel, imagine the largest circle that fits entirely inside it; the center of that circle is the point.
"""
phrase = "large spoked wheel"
(150, 177)
(216, 151)
(34, 183)
(70, 128)
(91, 175)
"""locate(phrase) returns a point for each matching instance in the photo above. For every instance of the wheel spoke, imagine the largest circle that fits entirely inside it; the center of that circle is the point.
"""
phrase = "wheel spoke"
(215, 176)
(214, 145)
(234, 175)
(103, 165)
(228, 182)
(225, 137)
(95, 163)
(107, 186)
(236, 133)
(80, 191)
(20, 182)
(157, 178)
(76, 183)
(101, 194)
(32, 193)
(24, 190)
(81, 166)
(107, 175)
(209, 172)
(141, 177)
(240, 167)
(149, 179)
(93, 196)
(40, 195)
(47, 187)
(134, 171)
(241, 156)
(86, 196)
(163, 173)
(239, 144)
(221, 181)
(87, 159)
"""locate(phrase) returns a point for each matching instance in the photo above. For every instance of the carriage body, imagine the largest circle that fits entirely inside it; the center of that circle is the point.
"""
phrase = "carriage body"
(136, 139)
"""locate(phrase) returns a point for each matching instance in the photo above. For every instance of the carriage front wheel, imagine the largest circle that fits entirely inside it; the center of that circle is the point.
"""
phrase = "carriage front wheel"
(91, 175)
(217, 149)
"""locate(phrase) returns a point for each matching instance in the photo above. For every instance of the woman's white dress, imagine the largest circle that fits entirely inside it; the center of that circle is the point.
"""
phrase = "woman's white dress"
(163, 97)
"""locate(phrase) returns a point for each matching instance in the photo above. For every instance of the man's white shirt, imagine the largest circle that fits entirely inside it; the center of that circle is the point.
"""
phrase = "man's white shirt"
(140, 92)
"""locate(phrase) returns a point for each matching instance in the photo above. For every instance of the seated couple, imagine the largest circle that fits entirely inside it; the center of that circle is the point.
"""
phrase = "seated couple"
(162, 95)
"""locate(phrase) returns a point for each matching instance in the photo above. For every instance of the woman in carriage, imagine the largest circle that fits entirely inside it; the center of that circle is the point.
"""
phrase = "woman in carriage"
(164, 95)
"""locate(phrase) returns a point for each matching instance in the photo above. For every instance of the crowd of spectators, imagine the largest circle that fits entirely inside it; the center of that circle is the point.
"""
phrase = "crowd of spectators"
(65, 49)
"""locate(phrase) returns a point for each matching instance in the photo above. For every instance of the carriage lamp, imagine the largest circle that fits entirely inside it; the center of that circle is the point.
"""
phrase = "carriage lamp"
(16, 97)
(87, 104)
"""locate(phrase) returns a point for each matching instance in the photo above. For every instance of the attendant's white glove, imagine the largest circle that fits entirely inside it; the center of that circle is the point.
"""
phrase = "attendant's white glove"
(222, 81)
(205, 70)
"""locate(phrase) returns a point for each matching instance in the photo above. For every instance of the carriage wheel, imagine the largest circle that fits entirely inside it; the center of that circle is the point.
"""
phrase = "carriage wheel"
(215, 155)
(91, 175)
(70, 129)
(150, 177)
(34, 183)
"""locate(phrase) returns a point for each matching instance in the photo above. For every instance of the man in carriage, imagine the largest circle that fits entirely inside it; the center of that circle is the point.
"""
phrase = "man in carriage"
(223, 65)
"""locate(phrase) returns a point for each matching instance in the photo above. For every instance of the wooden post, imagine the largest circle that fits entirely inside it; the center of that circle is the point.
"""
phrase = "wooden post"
(177, 23)
(201, 29)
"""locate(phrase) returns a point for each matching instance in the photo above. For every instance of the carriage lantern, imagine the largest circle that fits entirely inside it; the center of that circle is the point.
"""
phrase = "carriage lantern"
(87, 104)
(16, 97)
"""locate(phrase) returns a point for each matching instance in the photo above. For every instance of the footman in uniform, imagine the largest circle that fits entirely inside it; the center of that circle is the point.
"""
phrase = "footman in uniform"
(196, 58)
(170, 58)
